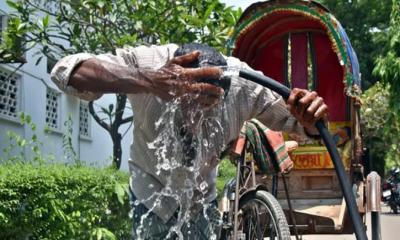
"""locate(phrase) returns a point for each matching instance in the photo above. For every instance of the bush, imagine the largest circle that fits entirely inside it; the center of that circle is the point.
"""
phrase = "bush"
(226, 171)
(63, 202)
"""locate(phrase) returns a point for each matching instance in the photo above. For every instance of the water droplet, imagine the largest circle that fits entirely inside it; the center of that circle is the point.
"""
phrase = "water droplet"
(203, 186)
(151, 186)
(205, 142)
(190, 193)
(167, 191)
(136, 203)
(165, 166)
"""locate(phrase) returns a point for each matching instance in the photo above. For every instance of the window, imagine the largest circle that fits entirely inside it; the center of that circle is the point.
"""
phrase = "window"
(52, 109)
(9, 94)
(84, 120)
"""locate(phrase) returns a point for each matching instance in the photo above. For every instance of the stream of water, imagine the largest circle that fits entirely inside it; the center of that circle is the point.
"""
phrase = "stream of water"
(189, 131)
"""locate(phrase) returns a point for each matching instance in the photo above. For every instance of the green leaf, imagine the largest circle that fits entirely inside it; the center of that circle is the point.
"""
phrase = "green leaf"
(45, 21)
(99, 234)
(12, 4)
(120, 191)
(101, 4)
(113, 18)
(28, 119)
(208, 12)
(22, 142)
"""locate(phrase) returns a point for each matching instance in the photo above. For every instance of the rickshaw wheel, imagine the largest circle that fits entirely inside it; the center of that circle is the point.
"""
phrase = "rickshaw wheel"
(261, 216)
(394, 208)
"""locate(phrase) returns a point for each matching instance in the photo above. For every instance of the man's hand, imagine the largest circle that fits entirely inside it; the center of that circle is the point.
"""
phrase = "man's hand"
(174, 80)
(307, 107)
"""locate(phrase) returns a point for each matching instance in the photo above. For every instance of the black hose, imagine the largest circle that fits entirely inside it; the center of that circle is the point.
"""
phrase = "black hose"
(330, 145)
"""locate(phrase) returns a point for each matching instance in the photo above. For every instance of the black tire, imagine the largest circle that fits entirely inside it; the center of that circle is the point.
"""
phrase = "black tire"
(393, 206)
(262, 216)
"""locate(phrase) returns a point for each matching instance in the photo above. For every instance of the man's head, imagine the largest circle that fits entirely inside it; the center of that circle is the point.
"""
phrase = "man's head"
(208, 57)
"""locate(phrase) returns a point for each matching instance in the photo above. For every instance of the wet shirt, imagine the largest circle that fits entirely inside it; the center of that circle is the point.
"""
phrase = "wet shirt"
(172, 166)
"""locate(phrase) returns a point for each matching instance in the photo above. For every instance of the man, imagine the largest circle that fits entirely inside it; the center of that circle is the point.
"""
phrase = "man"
(182, 125)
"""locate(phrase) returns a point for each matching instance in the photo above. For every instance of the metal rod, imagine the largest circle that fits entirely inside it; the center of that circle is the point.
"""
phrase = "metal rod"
(291, 214)
(327, 138)
(375, 226)
(237, 196)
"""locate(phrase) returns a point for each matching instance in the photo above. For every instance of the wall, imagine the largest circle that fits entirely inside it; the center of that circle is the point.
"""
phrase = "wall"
(35, 80)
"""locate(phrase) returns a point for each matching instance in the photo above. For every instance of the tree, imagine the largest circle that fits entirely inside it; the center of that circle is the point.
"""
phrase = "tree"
(381, 128)
(388, 66)
(366, 22)
(59, 28)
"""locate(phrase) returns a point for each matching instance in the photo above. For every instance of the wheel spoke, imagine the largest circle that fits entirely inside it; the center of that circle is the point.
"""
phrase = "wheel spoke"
(256, 221)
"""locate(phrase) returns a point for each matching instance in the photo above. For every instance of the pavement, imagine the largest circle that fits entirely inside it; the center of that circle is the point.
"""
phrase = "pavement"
(390, 228)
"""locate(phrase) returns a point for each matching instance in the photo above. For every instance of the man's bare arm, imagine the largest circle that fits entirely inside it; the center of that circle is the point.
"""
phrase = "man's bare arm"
(172, 80)
(96, 75)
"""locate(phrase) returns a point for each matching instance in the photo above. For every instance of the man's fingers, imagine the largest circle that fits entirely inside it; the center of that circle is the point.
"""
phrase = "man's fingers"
(315, 104)
(201, 73)
(186, 59)
(305, 102)
(322, 112)
(295, 95)
(206, 89)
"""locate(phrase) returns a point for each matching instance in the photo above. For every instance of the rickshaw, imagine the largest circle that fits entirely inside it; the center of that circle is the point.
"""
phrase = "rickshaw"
(302, 45)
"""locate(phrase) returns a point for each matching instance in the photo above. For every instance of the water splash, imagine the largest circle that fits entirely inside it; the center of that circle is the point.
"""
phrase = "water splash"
(198, 126)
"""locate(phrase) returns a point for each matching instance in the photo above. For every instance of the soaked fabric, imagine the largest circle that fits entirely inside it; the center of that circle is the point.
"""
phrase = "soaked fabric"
(205, 225)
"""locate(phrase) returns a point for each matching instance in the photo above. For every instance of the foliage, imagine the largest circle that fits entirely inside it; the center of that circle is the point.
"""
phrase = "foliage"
(69, 151)
(388, 66)
(381, 128)
(98, 26)
(63, 202)
(226, 171)
(59, 28)
(39, 201)
(366, 22)
(17, 145)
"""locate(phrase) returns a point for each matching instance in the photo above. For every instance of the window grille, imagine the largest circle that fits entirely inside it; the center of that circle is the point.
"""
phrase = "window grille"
(52, 108)
(84, 120)
(9, 94)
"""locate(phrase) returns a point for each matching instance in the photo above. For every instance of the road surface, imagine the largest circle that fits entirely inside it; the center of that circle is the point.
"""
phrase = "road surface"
(390, 228)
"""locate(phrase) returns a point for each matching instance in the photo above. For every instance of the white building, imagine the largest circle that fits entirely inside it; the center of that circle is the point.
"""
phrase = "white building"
(31, 91)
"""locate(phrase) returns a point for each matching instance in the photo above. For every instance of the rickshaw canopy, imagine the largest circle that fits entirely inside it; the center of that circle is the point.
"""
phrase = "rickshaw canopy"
(300, 44)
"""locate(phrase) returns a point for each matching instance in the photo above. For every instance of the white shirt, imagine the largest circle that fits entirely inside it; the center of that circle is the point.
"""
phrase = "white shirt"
(159, 178)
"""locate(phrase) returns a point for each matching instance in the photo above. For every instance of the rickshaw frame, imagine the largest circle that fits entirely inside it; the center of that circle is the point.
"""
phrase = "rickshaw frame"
(243, 47)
